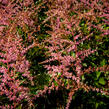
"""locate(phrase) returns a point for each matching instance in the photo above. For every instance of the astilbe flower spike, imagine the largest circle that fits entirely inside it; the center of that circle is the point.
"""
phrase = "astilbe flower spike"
(14, 68)
(65, 53)
(13, 61)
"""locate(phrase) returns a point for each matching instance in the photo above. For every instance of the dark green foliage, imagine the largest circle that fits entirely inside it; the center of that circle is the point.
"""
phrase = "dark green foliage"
(35, 56)
(41, 30)
(91, 100)
(54, 100)
(81, 99)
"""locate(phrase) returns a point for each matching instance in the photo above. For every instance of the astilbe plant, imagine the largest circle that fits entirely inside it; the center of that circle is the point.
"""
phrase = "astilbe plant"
(14, 68)
(65, 56)
(16, 13)
(12, 62)
(64, 63)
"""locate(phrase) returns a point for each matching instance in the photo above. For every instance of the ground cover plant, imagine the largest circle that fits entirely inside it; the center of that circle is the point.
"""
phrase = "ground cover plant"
(54, 52)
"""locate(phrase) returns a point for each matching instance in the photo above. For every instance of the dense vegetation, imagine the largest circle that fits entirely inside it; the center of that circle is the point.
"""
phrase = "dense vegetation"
(54, 54)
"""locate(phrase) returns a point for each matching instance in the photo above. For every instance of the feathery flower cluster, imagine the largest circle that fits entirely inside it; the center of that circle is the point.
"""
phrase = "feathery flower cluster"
(14, 68)
(73, 22)
(64, 64)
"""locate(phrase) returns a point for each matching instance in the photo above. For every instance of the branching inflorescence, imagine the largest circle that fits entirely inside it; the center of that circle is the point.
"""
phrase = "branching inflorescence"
(73, 22)
(64, 63)
(14, 68)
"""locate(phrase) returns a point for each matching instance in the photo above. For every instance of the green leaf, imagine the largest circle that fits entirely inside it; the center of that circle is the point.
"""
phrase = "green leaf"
(66, 82)
(73, 54)
(64, 53)
(102, 81)
(96, 83)
(97, 104)
(103, 62)
(97, 37)
(19, 107)
(55, 83)
(83, 78)
(59, 73)
(84, 64)
(98, 74)
(72, 13)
